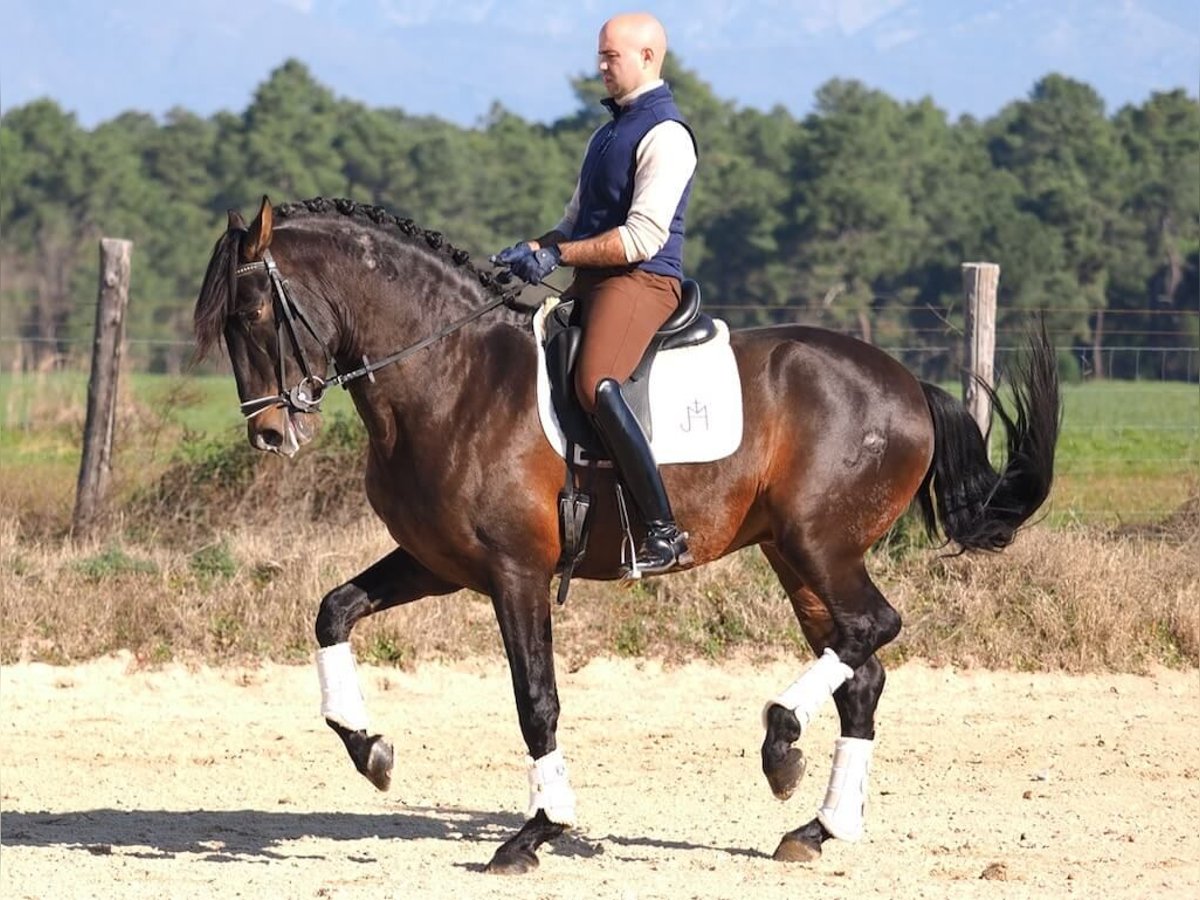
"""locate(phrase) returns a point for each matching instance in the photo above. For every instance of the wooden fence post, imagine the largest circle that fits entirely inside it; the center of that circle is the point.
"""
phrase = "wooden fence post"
(980, 281)
(96, 464)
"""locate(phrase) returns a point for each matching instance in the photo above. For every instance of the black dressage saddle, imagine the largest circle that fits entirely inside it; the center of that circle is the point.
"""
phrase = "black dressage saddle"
(686, 327)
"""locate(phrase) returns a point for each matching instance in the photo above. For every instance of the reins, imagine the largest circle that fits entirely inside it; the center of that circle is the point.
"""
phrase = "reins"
(307, 394)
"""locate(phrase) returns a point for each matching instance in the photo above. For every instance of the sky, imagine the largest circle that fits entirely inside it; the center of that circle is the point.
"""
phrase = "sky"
(455, 58)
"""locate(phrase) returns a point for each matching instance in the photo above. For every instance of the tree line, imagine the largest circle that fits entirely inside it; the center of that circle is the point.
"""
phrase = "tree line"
(856, 216)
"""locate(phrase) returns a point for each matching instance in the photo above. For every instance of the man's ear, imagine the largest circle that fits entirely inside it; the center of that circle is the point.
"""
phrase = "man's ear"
(259, 238)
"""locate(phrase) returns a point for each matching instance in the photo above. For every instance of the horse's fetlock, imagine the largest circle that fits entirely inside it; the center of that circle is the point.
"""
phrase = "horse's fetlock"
(335, 618)
(782, 725)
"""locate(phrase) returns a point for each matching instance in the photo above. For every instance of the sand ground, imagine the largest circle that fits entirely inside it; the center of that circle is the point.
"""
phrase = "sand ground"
(182, 782)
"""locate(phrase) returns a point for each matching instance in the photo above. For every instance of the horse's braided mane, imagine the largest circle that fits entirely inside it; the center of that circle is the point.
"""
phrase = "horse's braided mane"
(218, 288)
(409, 231)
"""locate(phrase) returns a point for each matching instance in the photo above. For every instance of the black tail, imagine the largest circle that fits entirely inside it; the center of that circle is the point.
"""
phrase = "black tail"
(978, 507)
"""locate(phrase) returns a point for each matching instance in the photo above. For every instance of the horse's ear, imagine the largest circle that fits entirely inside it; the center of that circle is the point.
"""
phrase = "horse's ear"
(259, 238)
(236, 222)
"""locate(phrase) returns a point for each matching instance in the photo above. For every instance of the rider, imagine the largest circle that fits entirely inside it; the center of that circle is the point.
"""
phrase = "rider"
(623, 234)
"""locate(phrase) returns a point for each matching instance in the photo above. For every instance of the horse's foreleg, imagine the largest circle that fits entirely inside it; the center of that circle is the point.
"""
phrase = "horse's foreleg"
(394, 580)
(523, 611)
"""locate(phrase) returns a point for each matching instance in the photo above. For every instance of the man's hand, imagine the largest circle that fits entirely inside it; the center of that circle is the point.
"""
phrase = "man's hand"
(510, 255)
(534, 265)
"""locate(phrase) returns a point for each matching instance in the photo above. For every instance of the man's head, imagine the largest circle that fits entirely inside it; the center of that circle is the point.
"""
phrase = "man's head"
(631, 51)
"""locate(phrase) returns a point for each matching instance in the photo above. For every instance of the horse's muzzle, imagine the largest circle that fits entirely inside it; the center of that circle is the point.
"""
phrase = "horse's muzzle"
(281, 431)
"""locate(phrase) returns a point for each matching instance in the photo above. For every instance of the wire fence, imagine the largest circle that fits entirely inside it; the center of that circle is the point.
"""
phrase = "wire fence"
(932, 359)
(1130, 448)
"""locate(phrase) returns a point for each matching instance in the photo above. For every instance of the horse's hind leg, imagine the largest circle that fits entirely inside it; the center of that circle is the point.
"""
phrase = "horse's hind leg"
(394, 580)
(782, 763)
(856, 701)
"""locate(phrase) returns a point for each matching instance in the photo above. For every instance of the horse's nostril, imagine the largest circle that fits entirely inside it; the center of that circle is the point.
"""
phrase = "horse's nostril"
(270, 438)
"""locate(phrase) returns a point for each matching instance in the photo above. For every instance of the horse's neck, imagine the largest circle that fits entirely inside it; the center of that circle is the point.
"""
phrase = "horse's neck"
(422, 391)
(384, 313)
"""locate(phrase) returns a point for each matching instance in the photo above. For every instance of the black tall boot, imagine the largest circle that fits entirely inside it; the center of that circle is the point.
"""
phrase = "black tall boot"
(664, 546)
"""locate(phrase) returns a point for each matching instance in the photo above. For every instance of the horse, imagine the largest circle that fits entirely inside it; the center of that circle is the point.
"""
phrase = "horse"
(839, 440)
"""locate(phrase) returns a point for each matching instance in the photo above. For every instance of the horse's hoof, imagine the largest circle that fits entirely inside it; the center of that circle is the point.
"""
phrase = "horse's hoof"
(379, 763)
(512, 862)
(784, 777)
(796, 849)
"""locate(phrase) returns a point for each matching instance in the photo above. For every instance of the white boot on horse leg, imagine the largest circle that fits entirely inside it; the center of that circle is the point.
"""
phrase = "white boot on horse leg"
(807, 694)
(345, 711)
(550, 789)
(844, 810)
(783, 764)
(551, 812)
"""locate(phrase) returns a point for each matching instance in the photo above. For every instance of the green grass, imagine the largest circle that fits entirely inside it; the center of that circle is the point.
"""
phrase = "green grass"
(1129, 451)
(42, 415)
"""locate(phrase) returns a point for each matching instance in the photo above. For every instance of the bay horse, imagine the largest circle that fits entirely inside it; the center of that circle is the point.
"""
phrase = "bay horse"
(839, 438)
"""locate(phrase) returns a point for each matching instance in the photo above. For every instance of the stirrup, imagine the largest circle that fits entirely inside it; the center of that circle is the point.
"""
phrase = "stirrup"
(663, 550)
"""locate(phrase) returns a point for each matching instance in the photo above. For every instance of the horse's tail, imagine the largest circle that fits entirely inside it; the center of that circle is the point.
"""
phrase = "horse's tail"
(976, 506)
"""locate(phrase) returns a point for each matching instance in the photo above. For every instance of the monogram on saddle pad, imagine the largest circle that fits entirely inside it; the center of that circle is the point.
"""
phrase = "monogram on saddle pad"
(685, 391)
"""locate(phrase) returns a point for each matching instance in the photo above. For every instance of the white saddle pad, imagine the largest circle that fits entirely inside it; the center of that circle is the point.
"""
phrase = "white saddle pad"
(695, 399)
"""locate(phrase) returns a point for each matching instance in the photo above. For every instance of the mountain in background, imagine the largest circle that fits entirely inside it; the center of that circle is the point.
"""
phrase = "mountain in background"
(454, 60)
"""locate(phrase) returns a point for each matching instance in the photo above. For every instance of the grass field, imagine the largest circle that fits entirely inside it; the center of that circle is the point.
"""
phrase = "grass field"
(1129, 451)
(41, 428)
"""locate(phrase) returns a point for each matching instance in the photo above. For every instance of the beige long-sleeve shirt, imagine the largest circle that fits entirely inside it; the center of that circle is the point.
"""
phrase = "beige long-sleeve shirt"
(665, 161)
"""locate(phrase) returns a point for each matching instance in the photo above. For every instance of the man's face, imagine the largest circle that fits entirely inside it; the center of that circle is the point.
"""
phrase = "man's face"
(621, 63)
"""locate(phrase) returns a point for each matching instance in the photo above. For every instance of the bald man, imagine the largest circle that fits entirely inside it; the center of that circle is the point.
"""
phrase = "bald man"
(623, 234)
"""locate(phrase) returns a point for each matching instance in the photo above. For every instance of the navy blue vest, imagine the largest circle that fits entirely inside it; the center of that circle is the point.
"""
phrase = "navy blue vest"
(606, 177)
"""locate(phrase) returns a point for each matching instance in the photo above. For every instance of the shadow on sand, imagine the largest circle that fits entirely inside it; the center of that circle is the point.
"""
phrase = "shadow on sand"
(241, 834)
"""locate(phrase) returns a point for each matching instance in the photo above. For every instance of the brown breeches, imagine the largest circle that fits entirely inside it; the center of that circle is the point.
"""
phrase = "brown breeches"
(621, 311)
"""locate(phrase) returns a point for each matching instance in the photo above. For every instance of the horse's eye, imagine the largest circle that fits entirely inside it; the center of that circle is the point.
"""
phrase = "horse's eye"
(252, 314)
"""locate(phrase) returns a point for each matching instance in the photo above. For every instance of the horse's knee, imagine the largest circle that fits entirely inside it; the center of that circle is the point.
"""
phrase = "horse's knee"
(340, 609)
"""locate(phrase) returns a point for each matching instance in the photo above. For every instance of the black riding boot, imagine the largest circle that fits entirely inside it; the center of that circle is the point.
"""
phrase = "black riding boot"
(665, 546)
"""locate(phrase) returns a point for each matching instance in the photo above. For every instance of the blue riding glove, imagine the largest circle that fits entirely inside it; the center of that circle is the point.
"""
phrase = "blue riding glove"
(533, 267)
(510, 255)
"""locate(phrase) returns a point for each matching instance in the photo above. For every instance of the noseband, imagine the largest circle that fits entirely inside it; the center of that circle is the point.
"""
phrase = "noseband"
(306, 395)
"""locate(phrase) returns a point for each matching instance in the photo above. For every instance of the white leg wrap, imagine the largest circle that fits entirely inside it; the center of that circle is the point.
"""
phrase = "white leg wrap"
(550, 788)
(341, 699)
(845, 803)
(808, 693)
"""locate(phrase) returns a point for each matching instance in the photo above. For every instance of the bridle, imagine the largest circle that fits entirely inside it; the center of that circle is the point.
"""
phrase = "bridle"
(306, 395)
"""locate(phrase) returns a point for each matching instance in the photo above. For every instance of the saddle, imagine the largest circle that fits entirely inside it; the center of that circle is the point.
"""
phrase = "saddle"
(686, 327)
